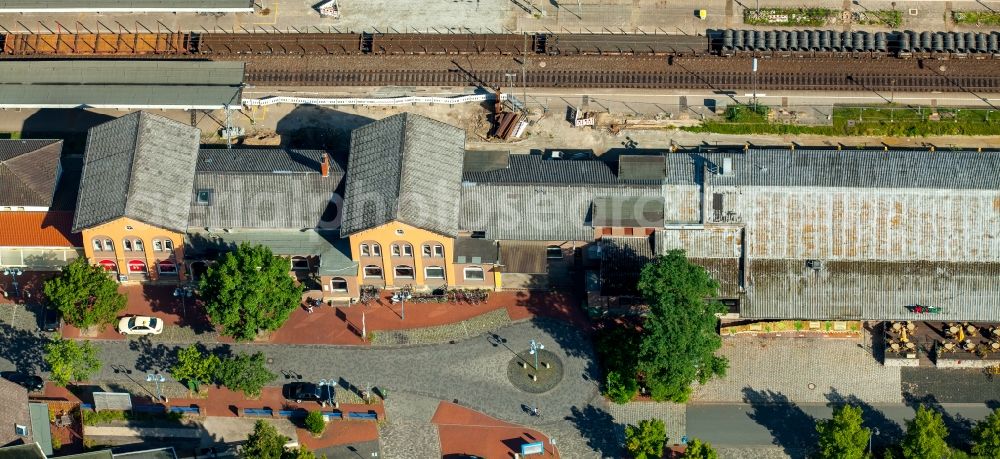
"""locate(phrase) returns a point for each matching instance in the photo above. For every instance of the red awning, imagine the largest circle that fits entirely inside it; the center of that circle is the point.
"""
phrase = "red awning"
(108, 265)
(136, 266)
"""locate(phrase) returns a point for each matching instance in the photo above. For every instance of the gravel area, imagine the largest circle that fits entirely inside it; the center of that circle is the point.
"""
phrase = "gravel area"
(522, 367)
(478, 63)
(801, 369)
(761, 452)
(410, 440)
(444, 333)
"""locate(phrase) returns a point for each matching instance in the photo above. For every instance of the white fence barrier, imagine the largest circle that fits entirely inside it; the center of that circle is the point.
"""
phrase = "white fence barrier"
(383, 101)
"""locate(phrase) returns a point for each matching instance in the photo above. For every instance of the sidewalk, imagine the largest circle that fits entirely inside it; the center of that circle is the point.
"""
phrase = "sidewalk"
(344, 325)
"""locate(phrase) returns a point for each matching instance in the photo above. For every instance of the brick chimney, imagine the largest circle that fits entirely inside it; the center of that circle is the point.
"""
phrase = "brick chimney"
(324, 166)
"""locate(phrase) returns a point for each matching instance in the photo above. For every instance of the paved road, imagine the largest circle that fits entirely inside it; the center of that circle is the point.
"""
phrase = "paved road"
(473, 372)
(791, 426)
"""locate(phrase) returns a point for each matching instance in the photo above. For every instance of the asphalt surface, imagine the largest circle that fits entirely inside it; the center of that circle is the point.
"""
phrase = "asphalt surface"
(792, 426)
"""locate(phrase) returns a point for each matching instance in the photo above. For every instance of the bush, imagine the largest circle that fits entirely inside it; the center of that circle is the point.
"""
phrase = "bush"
(646, 440)
(315, 423)
(245, 373)
(621, 388)
(977, 17)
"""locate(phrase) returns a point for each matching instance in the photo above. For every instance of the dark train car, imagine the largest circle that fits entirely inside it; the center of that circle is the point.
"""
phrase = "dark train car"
(450, 43)
(613, 44)
(276, 43)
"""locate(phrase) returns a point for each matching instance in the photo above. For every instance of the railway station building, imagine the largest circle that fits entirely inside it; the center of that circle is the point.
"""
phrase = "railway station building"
(804, 234)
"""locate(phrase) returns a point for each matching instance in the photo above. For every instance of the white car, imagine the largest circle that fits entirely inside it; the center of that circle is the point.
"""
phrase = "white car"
(140, 325)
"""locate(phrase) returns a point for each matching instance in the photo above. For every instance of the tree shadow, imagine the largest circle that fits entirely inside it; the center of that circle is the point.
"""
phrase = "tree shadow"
(791, 428)
(153, 357)
(889, 431)
(959, 426)
(22, 348)
(599, 428)
(189, 310)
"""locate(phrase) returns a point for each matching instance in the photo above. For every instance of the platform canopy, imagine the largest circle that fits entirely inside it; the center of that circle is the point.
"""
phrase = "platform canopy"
(133, 84)
(126, 6)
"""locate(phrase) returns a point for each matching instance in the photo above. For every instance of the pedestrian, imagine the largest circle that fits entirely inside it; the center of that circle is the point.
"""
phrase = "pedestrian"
(534, 411)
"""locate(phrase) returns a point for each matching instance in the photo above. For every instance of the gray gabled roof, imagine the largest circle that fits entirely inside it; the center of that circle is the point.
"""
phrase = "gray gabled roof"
(844, 168)
(405, 168)
(139, 166)
(264, 188)
(29, 170)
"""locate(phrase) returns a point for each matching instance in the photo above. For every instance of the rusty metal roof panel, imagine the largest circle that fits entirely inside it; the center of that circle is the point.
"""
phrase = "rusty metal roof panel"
(789, 289)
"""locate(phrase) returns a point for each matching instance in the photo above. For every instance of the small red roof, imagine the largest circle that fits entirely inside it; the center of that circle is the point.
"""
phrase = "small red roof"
(37, 229)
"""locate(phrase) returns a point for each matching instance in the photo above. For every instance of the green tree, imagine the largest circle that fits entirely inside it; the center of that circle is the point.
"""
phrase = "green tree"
(249, 291)
(621, 388)
(925, 436)
(698, 449)
(246, 373)
(843, 437)
(194, 366)
(986, 435)
(85, 295)
(265, 442)
(679, 333)
(70, 361)
(646, 440)
(315, 423)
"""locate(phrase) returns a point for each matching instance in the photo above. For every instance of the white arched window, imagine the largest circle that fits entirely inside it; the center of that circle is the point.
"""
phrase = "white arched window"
(338, 284)
(373, 272)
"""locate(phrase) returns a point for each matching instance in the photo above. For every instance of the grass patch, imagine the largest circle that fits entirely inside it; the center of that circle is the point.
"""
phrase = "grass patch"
(862, 121)
(93, 418)
(989, 18)
(888, 18)
(788, 16)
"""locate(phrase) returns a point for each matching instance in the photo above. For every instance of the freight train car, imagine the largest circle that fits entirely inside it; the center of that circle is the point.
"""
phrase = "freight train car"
(615, 44)
(95, 44)
(276, 43)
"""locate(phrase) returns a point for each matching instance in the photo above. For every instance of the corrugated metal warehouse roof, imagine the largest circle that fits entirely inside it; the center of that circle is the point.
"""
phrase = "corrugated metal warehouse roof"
(780, 289)
(120, 84)
(134, 6)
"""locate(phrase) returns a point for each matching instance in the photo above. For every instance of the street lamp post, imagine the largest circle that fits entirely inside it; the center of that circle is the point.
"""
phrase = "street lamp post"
(157, 378)
(13, 273)
(535, 347)
(329, 394)
(401, 297)
(184, 292)
(874, 434)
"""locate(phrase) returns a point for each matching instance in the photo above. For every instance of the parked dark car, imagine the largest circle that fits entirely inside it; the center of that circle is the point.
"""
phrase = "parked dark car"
(51, 319)
(299, 392)
(31, 382)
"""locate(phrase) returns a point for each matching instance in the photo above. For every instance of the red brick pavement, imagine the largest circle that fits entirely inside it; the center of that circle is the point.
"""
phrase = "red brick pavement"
(343, 325)
(325, 325)
(466, 432)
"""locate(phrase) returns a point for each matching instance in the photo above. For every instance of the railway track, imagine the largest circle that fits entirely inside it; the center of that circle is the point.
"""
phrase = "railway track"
(795, 75)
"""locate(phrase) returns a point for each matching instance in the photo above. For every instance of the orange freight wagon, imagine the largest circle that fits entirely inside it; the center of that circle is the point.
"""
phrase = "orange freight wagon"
(91, 44)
